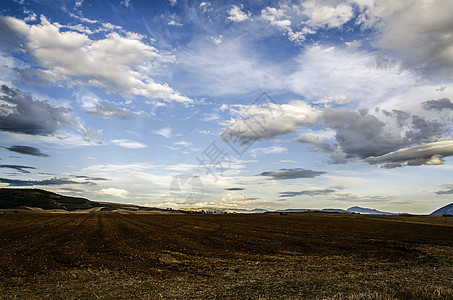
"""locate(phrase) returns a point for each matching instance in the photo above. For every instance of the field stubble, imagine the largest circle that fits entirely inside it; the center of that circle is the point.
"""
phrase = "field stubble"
(108, 255)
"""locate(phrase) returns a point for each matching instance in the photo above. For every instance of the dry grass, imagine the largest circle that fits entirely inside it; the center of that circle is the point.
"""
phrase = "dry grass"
(113, 256)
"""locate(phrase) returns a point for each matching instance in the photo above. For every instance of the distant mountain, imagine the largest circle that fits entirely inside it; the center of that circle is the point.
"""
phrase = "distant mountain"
(20, 198)
(370, 211)
(292, 210)
(335, 210)
(445, 210)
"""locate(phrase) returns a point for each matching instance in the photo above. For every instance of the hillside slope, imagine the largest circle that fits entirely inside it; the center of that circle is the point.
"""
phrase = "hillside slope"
(19, 198)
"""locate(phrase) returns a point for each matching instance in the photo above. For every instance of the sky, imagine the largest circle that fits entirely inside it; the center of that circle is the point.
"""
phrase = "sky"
(230, 105)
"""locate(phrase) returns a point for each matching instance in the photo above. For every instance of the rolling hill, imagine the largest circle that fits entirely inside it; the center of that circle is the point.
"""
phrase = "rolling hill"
(21, 198)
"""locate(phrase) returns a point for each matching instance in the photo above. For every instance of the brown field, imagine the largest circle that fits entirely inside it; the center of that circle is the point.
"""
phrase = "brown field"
(234, 256)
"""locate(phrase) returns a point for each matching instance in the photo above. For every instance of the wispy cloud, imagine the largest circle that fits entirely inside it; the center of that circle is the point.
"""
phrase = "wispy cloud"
(165, 132)
(125, 143)
(26, 150)
(19, 168)
(45, 182)
(296, 173)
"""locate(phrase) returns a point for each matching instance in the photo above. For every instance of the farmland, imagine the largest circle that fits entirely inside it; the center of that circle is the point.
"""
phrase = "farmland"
(267, 256)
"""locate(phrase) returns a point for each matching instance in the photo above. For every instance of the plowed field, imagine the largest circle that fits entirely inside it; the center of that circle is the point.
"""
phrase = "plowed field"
(110, 255)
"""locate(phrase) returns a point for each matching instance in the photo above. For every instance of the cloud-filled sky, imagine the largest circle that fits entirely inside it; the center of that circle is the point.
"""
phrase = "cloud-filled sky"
(226, 104)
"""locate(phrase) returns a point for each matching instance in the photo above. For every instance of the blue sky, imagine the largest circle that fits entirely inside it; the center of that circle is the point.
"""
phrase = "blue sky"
(230, 105)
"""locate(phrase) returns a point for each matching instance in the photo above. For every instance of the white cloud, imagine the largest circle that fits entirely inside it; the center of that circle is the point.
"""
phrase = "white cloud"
(165, 132)
(126, 3)
(338, 100)
(268, 150)
(217, 40)
(94, 105)
(78, 3)
(326, 15)
(235, 14)
(174, 23)
(129, 144)
(120, 193)
(173, 2)
(63, 139)
(206, 6)
(270, 121)
(117, 63)
(183, 143)
(297, 20)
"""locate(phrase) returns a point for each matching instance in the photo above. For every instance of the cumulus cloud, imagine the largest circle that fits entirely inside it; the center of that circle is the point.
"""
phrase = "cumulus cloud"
(344, 134)
(269, 120)
(53, 181)
(117, 62)
(235, 14)
(418, 30)
(327, 16)
(298, 20)
(26, 150)
(426, 154)
(295, 173)
(319, 192)
(20, 113)
(125, 143)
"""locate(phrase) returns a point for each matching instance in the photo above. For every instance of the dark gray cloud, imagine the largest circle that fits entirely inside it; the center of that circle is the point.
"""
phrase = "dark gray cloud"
(26, 150)
(283, 174)
(234, 189)
(53, 181)
(401, 116)
(21, 169)
(321, 192)
(446, 192)
(439, 104)
(19, 112)
(360, 134)
(424, 131)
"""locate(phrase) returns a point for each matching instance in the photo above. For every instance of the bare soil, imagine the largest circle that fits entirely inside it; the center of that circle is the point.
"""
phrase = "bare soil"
(233, 256)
